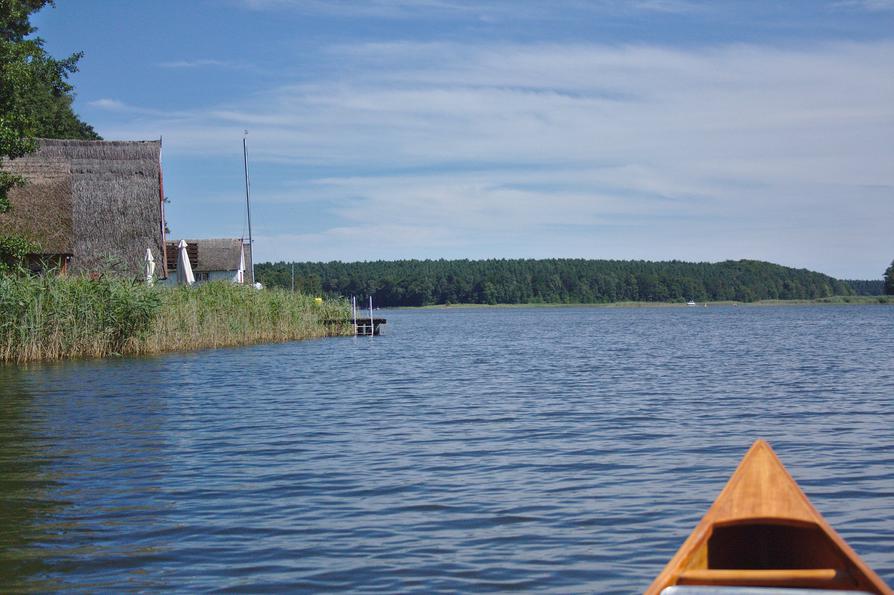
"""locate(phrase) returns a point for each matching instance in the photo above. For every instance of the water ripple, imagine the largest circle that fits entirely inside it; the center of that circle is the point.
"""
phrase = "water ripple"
(534, 450)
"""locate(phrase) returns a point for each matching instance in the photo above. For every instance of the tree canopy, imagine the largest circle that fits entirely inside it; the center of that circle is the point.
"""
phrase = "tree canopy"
(867, 286)
(889, 279)
(35, 96)
(424, 282)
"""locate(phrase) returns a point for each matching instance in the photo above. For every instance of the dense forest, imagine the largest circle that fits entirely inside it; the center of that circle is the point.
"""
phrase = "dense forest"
(889, 280)
(555, 281)
(871, 287)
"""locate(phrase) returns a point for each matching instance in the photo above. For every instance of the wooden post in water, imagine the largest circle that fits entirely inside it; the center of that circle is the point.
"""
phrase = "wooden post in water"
(372, 327)
(354, 313)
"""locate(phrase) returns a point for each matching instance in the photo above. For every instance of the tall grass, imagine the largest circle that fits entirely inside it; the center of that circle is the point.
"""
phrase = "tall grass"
(54, 317)
(48, 318)
(222, 314)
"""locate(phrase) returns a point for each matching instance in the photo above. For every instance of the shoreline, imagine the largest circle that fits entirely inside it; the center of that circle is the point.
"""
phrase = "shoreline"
(862, 300)
(59, 318)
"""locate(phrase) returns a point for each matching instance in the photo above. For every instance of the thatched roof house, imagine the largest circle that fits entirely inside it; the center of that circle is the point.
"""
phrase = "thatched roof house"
(212, 259)
(94, 206)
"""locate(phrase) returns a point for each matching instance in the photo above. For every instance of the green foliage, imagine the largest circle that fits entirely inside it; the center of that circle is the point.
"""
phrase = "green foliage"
(553, 281)
(14, 251)
(15, 14)
(889, 280)
(13, 143)
(35, 101)
(49, 317)
(867, 287)
(54, 317)
(220, 313)
(35, 97)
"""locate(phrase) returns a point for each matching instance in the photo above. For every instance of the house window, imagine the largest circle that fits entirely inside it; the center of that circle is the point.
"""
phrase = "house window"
(201, 276)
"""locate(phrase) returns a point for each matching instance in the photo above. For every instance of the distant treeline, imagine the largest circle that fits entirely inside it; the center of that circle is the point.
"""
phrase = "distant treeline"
(555, 281)
(867, 287)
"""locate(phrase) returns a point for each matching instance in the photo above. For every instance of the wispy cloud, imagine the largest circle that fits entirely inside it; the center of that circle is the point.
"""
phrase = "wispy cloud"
(668, 6)
(378, 8)
(124, 109)
(203, 63)
(108, 104)
(869, 5)
(575, 150)
(486, 10)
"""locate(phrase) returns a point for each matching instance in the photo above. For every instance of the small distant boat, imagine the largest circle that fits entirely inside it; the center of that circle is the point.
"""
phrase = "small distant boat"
(690, 303)
(763, 534)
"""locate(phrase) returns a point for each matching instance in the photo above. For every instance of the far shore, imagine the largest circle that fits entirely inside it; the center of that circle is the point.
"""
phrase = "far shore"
(847, 300)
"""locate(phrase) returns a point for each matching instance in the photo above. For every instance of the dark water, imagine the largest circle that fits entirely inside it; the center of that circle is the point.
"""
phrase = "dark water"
(549, 450)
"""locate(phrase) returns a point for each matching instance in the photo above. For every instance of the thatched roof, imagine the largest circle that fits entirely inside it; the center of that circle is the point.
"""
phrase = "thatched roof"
(42, 210)
(218, 254)
(98, 200)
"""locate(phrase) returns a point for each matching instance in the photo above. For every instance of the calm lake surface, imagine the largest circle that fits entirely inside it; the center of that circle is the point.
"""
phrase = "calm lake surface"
(551, 450)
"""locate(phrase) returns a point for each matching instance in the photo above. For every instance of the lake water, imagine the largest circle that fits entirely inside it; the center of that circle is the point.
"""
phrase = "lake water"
(550, 450)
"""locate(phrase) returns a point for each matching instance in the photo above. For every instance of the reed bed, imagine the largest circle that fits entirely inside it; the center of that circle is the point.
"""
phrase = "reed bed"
(51, 318)
(222, 314)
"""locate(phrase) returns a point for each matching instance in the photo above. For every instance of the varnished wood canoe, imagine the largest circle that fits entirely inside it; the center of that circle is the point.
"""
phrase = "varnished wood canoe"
(761, 532)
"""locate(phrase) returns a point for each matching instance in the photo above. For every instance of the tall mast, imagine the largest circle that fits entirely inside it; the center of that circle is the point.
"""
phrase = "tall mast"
(248, 207)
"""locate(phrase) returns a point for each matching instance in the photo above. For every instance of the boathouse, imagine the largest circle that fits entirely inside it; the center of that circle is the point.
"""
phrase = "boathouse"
(92, 206)
(216, 259)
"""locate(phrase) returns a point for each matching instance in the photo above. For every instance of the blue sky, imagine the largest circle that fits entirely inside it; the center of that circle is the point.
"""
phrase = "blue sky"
(383, 129)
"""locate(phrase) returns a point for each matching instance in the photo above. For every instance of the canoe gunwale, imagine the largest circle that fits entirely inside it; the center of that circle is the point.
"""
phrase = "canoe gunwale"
(762, 493)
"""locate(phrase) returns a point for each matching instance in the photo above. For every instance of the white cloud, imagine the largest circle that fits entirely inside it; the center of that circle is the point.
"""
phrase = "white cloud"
(108, 104)
(487, 10)
(741, 108)
(135, 115)
(576, 150)
(204, 63)
(381, 8)
(668, 6)
(870, 5)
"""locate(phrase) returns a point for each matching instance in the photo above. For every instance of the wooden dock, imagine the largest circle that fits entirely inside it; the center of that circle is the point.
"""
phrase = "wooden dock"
(366, 327)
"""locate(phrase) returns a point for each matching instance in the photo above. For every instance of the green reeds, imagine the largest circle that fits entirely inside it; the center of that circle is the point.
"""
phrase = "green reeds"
(52, 317)
(222, 314)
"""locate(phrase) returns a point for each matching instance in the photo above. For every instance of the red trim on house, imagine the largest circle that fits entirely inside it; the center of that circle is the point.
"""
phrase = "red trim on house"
(161, 203)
